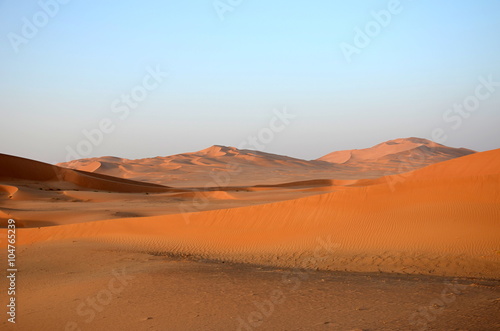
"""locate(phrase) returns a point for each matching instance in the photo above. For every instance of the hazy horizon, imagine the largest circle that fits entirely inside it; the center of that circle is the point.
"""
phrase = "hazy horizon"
(210, 76)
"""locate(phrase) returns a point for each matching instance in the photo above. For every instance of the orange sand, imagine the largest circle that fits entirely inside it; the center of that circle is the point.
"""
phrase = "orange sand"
(442, 220)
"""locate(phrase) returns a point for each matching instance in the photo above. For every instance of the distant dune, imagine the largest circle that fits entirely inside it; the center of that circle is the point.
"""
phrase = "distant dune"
(216, 166)
(414, 152)
(224, 166)
(440, 220)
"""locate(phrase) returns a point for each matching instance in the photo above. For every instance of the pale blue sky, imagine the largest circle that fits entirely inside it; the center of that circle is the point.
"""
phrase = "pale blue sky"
(225, 77)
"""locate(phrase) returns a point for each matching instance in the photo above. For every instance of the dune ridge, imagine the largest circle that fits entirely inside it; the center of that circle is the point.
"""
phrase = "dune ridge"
(247, 167)
(426, 224)
(15, 168)
(412, 151)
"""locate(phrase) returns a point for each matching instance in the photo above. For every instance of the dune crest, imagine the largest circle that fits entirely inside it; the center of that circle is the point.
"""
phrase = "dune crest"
(426, 225)
(14, 169)
(225, 166)
(401, 150)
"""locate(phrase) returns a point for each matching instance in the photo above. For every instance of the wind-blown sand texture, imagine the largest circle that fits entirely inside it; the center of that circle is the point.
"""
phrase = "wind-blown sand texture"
(439, 220)
(209, 255)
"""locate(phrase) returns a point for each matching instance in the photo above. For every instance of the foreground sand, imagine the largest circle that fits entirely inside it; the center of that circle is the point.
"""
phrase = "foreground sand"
(160, 293)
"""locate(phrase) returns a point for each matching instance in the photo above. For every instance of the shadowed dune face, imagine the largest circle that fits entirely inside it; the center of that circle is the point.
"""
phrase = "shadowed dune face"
(26, 223)
(440, 220)
(228, 166)
(8, 190)
(21, 169)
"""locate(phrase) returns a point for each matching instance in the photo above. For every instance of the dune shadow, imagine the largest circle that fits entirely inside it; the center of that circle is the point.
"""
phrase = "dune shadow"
(26, 223)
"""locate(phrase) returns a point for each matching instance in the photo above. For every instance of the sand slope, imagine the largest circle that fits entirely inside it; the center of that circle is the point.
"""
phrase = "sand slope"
(15, 169)
(427, 223)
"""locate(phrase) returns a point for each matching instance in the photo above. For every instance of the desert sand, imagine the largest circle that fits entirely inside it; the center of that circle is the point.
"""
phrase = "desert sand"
(80, 285)
(248, 167)
(355, 225)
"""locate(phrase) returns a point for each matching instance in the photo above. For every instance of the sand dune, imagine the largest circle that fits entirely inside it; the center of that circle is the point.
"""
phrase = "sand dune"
(39, 194)
(16, 169)
(9, 190)
(216, 166)
(484, 163)
(280, 227)
(229, 166)
(46, 203)
(218, 195)
(408, 152)
(426, 224)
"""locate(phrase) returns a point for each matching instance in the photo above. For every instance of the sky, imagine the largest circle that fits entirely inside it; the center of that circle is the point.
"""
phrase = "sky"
(139, 79)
